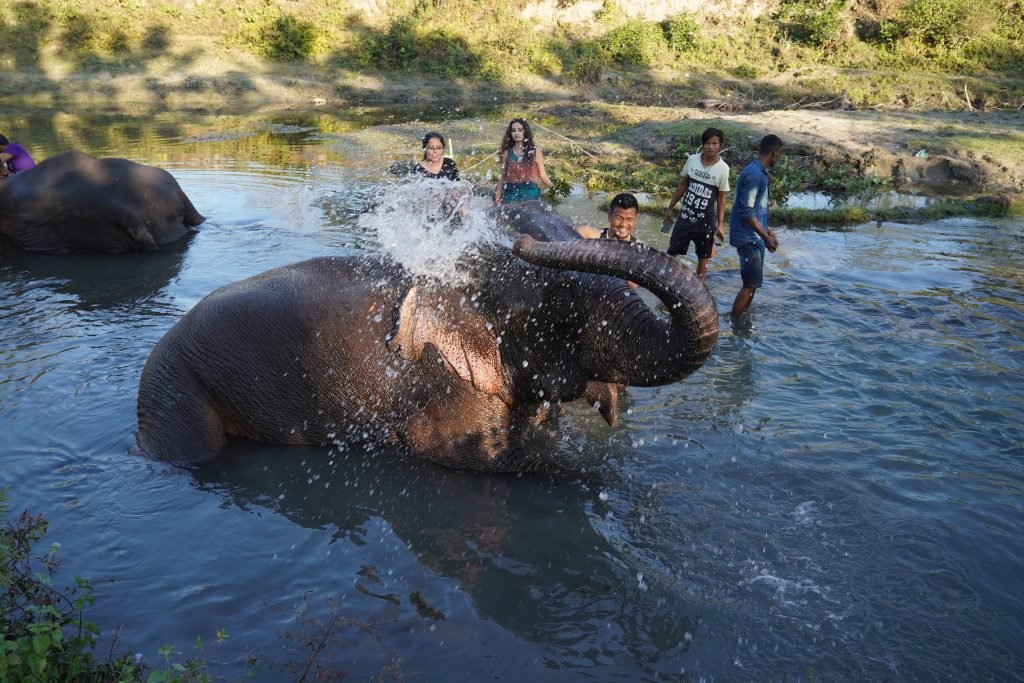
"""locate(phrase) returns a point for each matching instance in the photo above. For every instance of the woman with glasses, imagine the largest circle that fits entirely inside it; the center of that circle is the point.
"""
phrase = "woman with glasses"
(522, 165)
(435, 164)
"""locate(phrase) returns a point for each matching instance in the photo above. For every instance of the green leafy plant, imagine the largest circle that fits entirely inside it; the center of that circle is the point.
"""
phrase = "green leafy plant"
(45, 634)
(682, 32)
(560, 187)
(635, 43)
(942, 23)
(813, 23)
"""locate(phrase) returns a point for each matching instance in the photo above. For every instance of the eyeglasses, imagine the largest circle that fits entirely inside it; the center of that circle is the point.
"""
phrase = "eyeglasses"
(435, 149)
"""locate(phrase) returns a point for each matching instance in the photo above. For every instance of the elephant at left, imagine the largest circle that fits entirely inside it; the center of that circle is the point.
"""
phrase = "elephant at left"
(74, 202)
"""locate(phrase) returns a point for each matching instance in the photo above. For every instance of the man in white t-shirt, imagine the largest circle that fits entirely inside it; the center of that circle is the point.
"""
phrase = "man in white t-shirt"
(703, 188)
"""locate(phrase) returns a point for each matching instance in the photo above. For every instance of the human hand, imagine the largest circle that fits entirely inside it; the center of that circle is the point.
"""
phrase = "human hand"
(772, 242)
(668, 212)
(719, 233)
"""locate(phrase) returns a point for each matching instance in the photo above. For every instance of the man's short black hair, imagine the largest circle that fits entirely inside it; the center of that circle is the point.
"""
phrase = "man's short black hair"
(4, 141)
(770, 143)
(713, 133)
(623, 200)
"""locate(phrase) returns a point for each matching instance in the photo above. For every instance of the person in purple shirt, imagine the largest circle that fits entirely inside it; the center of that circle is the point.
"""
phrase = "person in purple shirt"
(13, 157)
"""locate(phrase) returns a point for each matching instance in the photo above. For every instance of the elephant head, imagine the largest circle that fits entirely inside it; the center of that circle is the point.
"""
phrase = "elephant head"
(74, 202)
(344, 349)
(555, 319)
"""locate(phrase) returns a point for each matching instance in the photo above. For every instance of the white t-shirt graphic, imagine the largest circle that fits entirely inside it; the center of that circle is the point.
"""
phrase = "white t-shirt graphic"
(699, 206)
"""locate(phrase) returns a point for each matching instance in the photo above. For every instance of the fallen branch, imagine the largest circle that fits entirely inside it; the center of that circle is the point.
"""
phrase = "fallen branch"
(967, 98)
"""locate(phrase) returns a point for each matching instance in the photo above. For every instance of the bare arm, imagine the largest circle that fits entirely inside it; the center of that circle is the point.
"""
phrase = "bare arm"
(541, 173)
(503, 166)
(588, 232)
(721, 216)
(677, 195)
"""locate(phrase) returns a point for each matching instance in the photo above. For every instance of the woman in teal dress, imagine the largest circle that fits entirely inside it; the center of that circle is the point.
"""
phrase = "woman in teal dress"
(522, 165)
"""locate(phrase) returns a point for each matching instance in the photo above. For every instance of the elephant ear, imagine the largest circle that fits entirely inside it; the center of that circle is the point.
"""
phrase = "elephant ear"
(469, 349)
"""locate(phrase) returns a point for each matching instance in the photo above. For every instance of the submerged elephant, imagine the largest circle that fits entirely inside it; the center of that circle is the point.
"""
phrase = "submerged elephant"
(353, 349)
(74, 202)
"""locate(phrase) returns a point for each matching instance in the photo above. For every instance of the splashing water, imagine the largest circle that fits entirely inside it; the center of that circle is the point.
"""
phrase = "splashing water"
(429, 225)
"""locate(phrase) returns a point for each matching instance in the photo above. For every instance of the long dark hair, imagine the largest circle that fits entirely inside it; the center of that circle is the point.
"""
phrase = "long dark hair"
(529, 149)
(432, 135)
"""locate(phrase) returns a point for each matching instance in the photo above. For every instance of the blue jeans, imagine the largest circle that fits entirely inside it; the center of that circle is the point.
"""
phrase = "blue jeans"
(751, 264)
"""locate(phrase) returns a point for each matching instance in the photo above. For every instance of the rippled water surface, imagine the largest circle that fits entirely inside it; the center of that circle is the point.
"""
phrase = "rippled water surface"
(835, 496)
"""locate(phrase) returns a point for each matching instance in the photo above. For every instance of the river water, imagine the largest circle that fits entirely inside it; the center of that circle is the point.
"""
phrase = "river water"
(835, 496)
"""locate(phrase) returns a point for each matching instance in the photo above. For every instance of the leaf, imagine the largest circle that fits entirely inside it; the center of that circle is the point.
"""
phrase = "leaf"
(40, 644)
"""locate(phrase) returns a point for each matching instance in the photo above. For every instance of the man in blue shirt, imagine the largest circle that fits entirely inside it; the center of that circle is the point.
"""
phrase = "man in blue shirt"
(748, 223)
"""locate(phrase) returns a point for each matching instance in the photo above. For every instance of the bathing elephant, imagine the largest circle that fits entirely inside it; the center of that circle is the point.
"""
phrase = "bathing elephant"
(74, 202)
(353, 349)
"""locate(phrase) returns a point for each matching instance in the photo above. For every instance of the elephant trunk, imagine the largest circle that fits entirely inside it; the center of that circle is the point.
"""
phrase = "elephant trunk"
(631, 344)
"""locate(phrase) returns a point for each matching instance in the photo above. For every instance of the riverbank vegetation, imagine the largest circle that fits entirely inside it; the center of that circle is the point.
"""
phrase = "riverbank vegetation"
(854, 53)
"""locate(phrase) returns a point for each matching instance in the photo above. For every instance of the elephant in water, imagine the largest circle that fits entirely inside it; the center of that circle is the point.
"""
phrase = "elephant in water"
(74, 202)
(354, 349)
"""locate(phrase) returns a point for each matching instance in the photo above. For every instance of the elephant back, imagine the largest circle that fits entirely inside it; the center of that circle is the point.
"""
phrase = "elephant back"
(536, 219)
(74, 202)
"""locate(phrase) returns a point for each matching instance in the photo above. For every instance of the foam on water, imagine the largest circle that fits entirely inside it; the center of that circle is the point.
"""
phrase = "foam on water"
(430, 225)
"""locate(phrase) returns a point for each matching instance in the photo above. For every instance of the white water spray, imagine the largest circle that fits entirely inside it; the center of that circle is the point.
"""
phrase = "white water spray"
(428, 225)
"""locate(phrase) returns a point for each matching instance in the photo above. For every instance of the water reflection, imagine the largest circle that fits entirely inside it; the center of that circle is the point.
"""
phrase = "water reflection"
(97, 281)
(524, 550)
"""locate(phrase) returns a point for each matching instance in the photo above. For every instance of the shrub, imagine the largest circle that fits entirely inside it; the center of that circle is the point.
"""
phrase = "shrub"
(813, 23)
(288, 38)
(587, 63)
(543, 61)
(682, 32)
(941, 23)
(637, 43)
(45, 635)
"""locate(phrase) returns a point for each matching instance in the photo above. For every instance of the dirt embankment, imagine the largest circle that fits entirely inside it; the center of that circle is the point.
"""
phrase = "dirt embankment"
(945, 152)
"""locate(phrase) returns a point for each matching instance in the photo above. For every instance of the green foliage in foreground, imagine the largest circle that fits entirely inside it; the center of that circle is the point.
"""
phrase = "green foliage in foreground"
(45, 634)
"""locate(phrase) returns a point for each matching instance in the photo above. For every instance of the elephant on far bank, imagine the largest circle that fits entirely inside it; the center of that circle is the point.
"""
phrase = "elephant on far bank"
(74, 202)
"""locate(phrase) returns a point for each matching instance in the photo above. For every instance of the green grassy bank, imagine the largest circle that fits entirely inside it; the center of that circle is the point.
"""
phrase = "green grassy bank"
(952, 54)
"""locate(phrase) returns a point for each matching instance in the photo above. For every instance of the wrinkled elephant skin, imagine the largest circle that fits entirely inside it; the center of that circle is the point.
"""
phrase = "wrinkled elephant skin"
(353, 349)
(74, 202)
